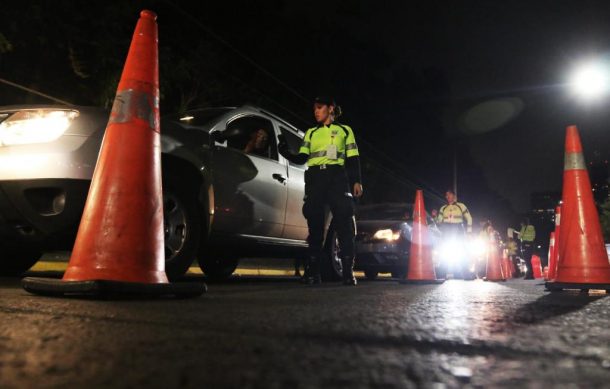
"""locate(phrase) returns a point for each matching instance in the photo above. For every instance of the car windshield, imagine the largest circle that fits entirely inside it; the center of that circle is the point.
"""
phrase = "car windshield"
(385, 212)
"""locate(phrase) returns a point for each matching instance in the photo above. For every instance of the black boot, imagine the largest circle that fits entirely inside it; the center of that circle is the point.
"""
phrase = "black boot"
(312, 272)
(348, 271)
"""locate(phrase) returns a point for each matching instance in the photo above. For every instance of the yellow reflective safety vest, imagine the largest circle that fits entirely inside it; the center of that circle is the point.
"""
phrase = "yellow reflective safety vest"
(527, 233)
(512, 247)
(329, 145)
(455, 213)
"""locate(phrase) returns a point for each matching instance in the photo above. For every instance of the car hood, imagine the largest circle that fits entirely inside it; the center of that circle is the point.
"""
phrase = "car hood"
(374, 225)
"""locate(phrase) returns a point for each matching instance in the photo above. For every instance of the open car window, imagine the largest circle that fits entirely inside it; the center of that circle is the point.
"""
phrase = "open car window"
(252, 135)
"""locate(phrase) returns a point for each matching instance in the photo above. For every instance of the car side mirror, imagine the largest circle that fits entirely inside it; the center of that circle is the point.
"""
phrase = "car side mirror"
(230, 133)
(217, 136)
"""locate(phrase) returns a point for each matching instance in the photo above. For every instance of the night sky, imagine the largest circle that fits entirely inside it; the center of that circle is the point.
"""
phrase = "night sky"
(416, 82)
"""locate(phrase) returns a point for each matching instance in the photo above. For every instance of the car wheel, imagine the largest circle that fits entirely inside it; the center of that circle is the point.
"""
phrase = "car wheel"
(371, 274)
(331, 268)
(16, 261)
(217, 266)
(182, 227)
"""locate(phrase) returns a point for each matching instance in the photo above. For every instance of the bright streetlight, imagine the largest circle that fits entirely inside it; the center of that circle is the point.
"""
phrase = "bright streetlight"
(590, 81)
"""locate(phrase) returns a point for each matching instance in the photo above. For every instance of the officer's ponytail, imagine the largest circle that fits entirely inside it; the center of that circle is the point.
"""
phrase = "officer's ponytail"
(337, 112)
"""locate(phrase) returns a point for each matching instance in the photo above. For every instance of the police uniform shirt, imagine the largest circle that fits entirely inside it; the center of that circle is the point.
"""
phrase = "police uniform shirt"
(455, 213)
(329, 145)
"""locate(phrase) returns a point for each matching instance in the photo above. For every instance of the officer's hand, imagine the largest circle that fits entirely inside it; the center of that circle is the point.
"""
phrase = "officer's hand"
(357, 190)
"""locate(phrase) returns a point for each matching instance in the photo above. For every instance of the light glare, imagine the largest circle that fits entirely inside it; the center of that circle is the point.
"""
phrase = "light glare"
(35, 126)
(590, 81)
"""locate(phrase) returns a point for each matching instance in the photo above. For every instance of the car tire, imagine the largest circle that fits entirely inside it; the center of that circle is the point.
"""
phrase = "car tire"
(182, 224)
(216, 266)
(371, 274)
(16, 261)
(331, 268)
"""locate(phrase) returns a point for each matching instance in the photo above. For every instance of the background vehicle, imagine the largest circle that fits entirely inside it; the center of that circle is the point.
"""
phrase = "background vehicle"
(220, 203)
(383, 238)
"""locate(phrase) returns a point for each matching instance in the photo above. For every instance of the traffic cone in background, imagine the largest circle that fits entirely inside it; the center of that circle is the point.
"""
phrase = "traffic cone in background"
(552, 262)
(494, 263)
(554, 258)
(506, 264)
(536, 266)
(582, 261)
(119, 247)
(421, 265)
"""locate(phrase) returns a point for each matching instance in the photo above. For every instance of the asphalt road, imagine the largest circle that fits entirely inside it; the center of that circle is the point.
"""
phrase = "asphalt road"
(271, 332)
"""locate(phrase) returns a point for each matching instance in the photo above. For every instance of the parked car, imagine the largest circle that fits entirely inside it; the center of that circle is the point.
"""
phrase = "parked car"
(383, 238)
(227, 192)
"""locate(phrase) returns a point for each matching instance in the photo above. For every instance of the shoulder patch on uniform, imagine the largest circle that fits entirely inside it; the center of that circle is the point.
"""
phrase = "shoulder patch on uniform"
(343, 127)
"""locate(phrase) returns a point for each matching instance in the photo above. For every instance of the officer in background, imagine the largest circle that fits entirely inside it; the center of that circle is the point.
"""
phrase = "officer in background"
(451, 216)
(333, 179)
(527, 234)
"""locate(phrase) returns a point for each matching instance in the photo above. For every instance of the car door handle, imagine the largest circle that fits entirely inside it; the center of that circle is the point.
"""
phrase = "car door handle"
(279, 177)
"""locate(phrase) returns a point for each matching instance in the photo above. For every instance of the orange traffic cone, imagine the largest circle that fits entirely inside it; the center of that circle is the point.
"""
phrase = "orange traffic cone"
(119, 247)
(552, 258)
(582, 261)
(494, 263)
(506, 264)
(536, 266)
(421, 265)
(555, 253)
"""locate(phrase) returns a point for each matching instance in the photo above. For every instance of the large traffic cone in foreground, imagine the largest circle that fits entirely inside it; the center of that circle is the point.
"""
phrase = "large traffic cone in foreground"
(582, 258)
(494, 263)
(421, 265)
(119, 248)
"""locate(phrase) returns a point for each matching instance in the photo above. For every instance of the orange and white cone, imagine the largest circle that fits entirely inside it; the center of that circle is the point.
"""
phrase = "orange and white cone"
(506, 262)
(552, 260)
(555, 253)
(119, 248)
(494, 263)
(421, 265)
(582, 261)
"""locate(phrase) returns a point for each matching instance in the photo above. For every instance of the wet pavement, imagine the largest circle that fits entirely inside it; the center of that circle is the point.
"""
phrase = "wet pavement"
(271, 332)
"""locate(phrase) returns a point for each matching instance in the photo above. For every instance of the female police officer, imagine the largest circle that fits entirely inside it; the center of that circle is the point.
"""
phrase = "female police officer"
(333, 179)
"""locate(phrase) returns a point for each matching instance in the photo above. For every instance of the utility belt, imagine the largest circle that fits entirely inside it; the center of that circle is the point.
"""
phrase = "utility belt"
(325, 167)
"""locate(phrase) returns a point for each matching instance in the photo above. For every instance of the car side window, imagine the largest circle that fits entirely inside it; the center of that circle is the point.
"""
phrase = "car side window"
(252, 135)
(294, 142)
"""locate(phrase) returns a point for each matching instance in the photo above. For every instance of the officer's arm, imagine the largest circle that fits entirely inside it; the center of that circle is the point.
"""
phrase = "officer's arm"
(352, 162)
(284, 150)
(352, 165)
(468, 218)
(439, 217)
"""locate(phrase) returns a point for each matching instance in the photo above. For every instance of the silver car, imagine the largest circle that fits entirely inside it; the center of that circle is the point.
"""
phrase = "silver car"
(227, 191)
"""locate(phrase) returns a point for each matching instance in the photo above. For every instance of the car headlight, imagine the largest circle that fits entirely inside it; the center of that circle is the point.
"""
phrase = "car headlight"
(478, 247)
(451, 250)
(387, 234)
(35, 126)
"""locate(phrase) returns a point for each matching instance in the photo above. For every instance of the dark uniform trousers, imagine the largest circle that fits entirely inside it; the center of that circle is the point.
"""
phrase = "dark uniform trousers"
(329, 187)
(527, 248)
